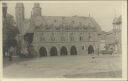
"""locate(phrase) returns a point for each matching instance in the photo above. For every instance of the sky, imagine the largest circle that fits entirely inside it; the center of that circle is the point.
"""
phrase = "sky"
(102, 11)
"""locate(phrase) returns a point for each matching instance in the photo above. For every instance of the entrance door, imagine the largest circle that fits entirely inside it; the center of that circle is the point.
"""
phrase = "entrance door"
(53, 51)
(43, 52)
(90, 49)
(63, 51)
(73, 50)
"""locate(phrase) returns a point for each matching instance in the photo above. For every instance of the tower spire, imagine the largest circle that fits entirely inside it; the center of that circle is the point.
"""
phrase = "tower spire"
(19, 12)
(36, 9)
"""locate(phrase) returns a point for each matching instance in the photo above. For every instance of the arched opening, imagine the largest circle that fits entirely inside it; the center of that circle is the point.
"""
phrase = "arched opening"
(63, 51)
(73, 50)
(53, 51)
(43, 51)
(90, 49)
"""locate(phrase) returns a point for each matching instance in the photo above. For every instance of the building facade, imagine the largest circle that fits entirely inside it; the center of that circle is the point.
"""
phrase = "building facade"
(59, 35)
(112, 38)
(117, 30)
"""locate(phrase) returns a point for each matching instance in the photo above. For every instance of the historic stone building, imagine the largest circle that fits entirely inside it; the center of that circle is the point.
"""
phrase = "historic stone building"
(59, 35)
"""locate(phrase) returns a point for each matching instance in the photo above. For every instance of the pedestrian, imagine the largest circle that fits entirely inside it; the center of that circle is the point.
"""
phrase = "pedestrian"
(25, 50)
(93, 58)
(6, 53)
(11, 51)
(22, 53)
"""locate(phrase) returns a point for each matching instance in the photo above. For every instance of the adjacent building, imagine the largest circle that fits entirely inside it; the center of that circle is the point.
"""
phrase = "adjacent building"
(111, 40)
(117, 30)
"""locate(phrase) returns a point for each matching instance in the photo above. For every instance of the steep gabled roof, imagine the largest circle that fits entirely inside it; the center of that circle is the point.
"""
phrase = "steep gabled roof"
(61, 22)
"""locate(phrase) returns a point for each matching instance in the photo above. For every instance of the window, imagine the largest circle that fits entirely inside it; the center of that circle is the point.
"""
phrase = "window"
(54, 20)
(71, 33)
(52, 38)
(40, 38)
(43, 38)
(81, 38)
(81, 33)
(89, 36)
(82, 47)
(73, 22)
(52, 33)
(72, 38)
(42, 34)
(62, 38)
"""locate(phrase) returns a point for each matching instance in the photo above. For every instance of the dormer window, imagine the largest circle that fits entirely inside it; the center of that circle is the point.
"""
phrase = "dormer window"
(55, 20)
(73, 22)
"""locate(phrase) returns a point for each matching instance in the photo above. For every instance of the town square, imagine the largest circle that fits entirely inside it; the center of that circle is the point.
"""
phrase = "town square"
(62, 40)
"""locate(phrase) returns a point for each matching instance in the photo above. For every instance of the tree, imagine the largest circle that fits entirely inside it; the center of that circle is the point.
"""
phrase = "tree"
(10, 31)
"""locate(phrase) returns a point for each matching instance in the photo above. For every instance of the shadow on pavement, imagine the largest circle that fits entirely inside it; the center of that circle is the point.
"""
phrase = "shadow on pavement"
(6, 61)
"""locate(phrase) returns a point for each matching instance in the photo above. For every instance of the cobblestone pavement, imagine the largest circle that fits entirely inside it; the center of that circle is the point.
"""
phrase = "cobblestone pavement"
(66, 67)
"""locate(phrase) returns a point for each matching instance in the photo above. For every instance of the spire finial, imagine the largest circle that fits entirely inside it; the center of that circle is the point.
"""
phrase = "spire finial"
(89, 14)
(36, 5)
(115, 13)
(31, 14)
(36, 9)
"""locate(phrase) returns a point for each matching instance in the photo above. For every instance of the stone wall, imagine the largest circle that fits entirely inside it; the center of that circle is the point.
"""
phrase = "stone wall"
(43, 39)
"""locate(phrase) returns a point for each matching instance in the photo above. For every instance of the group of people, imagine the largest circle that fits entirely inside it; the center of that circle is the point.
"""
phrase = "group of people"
(9, 52)
(27, 52)
(24, 52)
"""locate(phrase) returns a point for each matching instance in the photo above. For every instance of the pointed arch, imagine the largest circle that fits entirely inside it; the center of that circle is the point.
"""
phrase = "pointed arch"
(42, 51)
(73, 50)
(90, 49)
(53, 51)
(63, 51)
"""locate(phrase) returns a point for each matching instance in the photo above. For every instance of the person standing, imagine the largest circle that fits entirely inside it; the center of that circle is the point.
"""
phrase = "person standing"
(93, 57)
(11, 51)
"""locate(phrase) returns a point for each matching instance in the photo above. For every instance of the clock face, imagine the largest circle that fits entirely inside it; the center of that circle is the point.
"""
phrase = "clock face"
(38, 21)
